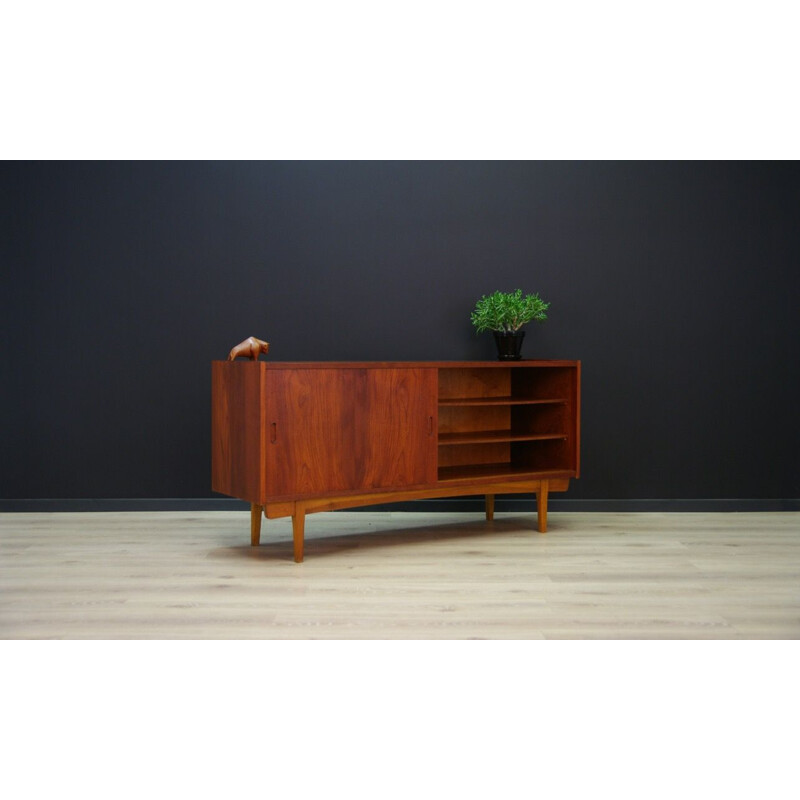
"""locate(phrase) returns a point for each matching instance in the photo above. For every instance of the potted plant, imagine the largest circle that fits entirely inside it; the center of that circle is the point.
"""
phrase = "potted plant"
(505, 313)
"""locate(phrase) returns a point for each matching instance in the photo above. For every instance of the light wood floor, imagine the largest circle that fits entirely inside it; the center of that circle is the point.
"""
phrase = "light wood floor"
(172, 575)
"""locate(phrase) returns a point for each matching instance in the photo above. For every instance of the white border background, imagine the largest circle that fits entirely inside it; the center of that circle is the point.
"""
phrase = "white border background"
(466, 80)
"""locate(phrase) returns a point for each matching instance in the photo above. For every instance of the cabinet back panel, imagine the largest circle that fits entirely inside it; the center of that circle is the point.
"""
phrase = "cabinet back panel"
(464, 454)
(474, 382)
(553, 454)
(468, 419)
(540, 419)
(544, 382)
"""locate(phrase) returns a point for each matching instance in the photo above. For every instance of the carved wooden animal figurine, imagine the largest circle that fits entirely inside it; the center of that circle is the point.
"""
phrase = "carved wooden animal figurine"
(250, 348)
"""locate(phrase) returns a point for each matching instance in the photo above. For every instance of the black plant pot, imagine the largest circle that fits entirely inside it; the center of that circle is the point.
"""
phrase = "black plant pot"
(509, 345)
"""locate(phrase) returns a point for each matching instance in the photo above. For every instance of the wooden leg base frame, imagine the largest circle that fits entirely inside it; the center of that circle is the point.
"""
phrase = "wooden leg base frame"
(297, 509)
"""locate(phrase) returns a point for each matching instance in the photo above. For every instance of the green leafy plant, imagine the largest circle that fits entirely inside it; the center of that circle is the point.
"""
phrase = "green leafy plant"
(508, 311)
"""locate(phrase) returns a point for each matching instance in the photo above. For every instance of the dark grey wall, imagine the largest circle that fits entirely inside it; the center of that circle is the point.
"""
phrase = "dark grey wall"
(676, 284)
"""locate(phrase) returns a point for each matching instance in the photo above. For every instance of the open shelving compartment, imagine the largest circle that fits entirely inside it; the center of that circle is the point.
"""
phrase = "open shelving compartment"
(507, 422)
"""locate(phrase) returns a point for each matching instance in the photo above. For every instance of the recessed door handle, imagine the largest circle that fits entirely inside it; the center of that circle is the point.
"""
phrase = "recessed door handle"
(273, 437)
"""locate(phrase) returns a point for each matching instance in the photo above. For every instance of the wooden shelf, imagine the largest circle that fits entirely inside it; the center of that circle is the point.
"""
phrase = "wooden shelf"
(499, 401)
(492, 471)
(488, 437)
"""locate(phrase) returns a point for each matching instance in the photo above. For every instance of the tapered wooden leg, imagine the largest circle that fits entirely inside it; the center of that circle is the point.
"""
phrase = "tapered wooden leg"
(255, 524)
(489, 507)
(298, 529)
(541, 505)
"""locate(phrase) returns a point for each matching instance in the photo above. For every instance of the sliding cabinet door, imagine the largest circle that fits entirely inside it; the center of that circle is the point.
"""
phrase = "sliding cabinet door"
(333, 430)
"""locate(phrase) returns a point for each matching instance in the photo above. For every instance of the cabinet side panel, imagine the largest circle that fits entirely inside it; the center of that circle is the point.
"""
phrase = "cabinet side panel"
(543, 382)
(237, 429)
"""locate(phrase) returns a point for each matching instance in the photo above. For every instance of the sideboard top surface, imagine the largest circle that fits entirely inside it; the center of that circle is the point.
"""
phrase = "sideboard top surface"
(410, 364)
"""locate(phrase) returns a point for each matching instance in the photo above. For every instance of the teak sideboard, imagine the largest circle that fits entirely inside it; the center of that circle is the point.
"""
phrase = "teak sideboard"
(292, 438)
